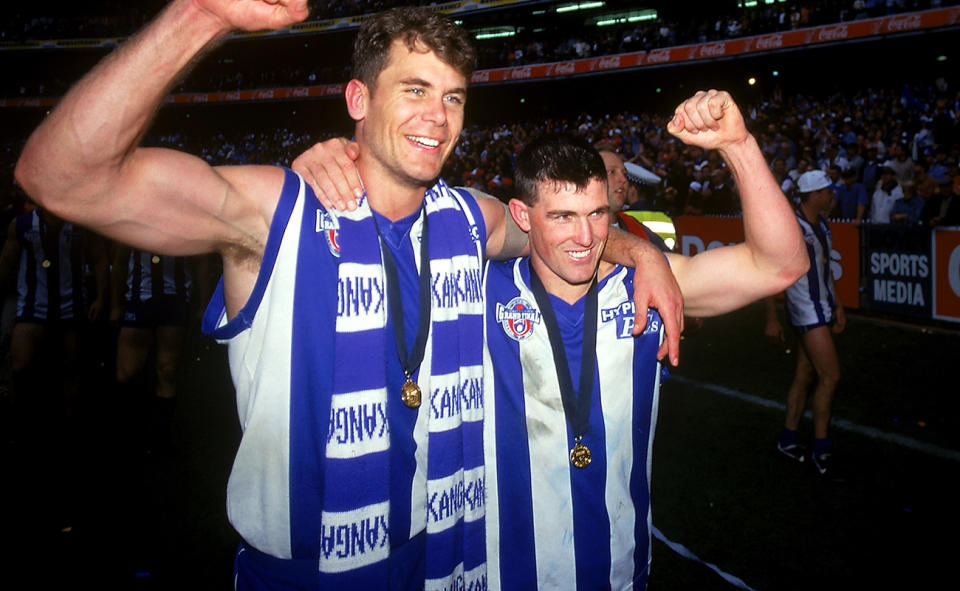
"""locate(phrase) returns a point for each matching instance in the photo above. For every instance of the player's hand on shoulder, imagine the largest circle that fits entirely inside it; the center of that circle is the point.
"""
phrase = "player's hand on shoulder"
(659, 289)
(328, 167)
(709, 119)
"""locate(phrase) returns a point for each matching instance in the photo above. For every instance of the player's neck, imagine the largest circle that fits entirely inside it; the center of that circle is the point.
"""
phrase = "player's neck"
(387, 195)
(809, 211)
(571, 293)
(604, 269)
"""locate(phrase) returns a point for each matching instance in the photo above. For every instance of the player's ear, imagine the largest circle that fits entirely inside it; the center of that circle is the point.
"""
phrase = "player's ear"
(520, 213)
(358, 97)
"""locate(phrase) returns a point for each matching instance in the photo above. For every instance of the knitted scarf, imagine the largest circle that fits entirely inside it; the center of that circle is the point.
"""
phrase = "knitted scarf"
(448, 498)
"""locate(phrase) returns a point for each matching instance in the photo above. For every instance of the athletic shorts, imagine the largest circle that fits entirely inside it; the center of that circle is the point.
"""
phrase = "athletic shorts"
(166, 310)
(65, 324)
(808, 327)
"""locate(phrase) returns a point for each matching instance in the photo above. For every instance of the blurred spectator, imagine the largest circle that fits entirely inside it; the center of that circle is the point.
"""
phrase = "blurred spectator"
(833, 157)
(943, 209)
(719, 195)
(835, 174)
(855, 161)
(906, 210)
(938, 168)
(850, 198)
(925, 185)
(871, 170)
(783, 178)
(901, 163)
(887, 193)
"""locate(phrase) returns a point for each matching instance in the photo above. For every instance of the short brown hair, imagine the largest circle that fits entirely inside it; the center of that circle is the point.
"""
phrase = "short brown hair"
(411, 25)
(557, 158)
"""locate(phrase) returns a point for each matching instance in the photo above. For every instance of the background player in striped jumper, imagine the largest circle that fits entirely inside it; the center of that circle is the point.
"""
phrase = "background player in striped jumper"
(61, 278)
(339, 466)
(568, 428)
(151, 298)
(815, 313)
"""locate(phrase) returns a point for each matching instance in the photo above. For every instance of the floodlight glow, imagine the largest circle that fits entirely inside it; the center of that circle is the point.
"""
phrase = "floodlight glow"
(495, 35)
(616, 18)
(579, 6)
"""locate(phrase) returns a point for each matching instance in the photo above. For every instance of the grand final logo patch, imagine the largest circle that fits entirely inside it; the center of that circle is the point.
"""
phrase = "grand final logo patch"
(517, 318)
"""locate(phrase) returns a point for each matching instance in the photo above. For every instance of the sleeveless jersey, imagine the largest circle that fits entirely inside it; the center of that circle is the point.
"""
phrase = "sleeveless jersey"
(152, 275)
(49, 281)
(282, 367)
(811, 300)
(555, 526)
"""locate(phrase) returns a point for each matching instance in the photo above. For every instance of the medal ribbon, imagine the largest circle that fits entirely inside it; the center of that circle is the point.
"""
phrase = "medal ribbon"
(412, 360)
(576, 405)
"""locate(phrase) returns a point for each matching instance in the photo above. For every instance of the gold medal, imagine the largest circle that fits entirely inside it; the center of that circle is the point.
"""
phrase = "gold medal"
(155, 259)
(580, 455)
(410, 394)
(46, 263)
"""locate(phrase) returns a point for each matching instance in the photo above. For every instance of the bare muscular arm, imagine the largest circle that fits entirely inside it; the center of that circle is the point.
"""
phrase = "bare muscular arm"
(84, 164)
(772, 256)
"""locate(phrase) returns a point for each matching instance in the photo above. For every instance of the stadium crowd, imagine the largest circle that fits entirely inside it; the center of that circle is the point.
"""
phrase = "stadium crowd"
(912, 131)
(892, 150)
(535, 41)
(113, 18)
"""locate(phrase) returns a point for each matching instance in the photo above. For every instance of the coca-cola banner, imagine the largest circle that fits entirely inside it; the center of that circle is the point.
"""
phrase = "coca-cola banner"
(826, 34)
(913, 21)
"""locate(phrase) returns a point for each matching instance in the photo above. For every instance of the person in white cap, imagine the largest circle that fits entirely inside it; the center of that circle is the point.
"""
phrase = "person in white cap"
(815, 312)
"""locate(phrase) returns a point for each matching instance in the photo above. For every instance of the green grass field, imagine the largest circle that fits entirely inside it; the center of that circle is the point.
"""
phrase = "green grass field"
(719, 488)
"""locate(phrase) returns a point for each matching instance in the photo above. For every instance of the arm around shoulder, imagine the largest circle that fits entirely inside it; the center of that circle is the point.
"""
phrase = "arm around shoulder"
(505, 239)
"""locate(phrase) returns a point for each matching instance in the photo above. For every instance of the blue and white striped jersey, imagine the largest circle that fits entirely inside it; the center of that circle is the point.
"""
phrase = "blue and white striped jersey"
(152, 275)
(556, 526)
(280, 350)
(49, 282)
(811, 300)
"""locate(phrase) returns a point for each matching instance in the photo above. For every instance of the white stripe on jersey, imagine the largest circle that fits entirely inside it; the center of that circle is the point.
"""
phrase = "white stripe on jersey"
(258, 491)
(547, 437)
(812, 298)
